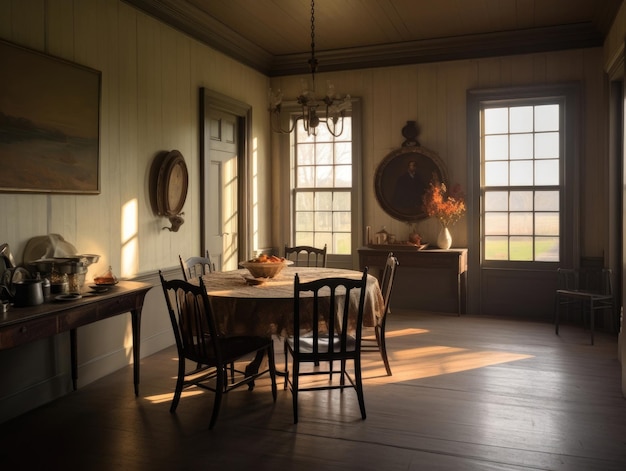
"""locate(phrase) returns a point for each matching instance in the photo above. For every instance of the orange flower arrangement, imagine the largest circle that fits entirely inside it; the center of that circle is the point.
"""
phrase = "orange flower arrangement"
(448, 208)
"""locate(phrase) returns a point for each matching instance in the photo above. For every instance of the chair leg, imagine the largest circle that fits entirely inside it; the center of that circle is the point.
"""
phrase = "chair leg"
(383, 354)
(592, 315)
(286, 370)
(272, 367)
(179, 384)
(557, 308)
(294, 389)
(219, 391)
(359, 386)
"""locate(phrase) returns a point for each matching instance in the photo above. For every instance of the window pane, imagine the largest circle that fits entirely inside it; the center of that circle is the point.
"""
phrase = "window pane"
(496, 248)
(547, 249)
(342, 221)
(521, 119)
(547, 118)
(521, 223)
(323, 201)
(305, 238)
(304, 221)
(324, 154)
(547, 200)
(343, 176)
(521, 146)
(323, 221)
(547, 172)
(343, 153)
(521, 201)
(341, 243)
(346, 135)
(496, 148)
(341, 201)
(324, 238)
(496, 201)
(496, 224)
(521, 248)
(522, 173)
(306, 154)
(496, 120)
(305, 177)
(547, 145)
(496, 173)
(324, 176)
(547, 224)
(304, 201)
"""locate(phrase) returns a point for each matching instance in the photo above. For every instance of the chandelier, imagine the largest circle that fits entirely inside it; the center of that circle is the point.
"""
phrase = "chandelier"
(329, 110)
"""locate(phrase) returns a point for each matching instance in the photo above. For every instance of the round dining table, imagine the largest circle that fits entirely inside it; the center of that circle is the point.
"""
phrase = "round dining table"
(267, 308)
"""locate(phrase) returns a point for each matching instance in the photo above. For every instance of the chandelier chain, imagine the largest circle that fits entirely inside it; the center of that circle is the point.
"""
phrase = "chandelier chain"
(313, 60)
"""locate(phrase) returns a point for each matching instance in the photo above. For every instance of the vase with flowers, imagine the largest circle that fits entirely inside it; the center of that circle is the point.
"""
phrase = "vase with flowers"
(447, 207)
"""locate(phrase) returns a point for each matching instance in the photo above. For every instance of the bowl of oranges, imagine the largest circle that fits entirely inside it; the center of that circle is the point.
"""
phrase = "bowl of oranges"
(265, 266)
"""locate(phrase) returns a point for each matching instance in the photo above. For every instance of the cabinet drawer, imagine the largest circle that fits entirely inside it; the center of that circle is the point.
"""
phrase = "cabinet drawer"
(12, 336)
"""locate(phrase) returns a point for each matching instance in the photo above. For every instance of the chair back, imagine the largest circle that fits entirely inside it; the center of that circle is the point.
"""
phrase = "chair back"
(567, 279)
(306, 256)
(386, 282)
(192, 320)
(334, 306)
(195, 267)
(590, 280)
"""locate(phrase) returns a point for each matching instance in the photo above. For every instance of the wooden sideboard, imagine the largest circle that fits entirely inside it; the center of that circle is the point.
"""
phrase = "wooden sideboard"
(430, 279)
(21, 325)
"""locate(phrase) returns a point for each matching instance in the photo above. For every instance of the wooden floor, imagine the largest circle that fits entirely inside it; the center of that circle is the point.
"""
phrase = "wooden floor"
(466, 394)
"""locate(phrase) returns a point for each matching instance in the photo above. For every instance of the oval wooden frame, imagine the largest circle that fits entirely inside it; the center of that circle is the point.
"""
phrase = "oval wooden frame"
(394, 165)
(165, 164)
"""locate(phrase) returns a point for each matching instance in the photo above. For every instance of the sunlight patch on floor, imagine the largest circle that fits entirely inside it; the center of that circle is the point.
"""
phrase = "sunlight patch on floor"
(424, 362)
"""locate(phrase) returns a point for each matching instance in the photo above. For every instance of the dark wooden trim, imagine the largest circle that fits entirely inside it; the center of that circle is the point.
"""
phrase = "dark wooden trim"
(194, 22)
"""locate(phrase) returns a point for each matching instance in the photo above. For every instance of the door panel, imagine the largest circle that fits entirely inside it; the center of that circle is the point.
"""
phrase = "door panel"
(221, 186)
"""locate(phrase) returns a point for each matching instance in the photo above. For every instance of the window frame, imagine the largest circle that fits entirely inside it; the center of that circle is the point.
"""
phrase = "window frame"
(516, 102)
(287, 146)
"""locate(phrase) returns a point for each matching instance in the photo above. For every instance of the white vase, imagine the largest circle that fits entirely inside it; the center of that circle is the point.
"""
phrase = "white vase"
(444, 239)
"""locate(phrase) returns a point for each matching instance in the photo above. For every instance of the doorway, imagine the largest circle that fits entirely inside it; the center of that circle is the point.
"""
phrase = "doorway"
(224, 135)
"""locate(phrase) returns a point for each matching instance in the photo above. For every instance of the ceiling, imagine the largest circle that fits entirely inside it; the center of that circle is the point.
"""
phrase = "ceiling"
(274, 36)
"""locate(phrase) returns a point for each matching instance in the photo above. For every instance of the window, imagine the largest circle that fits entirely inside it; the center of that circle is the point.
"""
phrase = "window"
(322, 189)
(521, 162)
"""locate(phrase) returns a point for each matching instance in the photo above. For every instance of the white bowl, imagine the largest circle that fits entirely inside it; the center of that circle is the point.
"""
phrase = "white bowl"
(265, 269)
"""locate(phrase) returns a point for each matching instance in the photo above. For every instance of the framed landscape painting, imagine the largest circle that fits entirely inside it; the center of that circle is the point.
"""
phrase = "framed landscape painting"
(49, 123)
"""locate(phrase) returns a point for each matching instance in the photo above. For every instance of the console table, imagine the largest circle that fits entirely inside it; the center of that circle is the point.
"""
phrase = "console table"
(21, 325)
(430, 279)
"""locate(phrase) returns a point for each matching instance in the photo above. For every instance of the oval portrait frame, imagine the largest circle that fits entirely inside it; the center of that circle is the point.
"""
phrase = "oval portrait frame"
(388, 177)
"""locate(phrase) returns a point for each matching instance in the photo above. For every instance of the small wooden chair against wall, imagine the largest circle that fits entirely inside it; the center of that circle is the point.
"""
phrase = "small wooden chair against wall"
(589, 290)
(378, 343)
(306, 256)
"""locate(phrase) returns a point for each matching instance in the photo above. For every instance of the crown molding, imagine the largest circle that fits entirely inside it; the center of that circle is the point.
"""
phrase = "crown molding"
(204, 28)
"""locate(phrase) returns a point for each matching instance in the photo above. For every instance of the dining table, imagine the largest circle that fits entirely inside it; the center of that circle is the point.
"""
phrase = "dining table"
(267, 308)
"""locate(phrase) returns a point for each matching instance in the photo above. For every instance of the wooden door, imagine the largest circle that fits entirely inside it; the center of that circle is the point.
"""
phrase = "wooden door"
(221, 182)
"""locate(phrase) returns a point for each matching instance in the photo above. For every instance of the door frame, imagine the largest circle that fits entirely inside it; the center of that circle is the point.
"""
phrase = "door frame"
(210, 100)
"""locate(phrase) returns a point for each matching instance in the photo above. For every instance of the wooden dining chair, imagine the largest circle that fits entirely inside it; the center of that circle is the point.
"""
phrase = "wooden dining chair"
(194, 267)
(199, 340)
(322, 309)
(589, 290)
(377, 342)
(306, 256)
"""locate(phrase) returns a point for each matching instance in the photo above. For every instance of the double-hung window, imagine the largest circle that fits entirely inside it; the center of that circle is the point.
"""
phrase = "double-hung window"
(322, 189)
(521, 180)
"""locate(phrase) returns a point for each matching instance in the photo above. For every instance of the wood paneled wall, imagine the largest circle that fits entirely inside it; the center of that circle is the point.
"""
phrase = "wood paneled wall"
(435, 96)
(151, 76)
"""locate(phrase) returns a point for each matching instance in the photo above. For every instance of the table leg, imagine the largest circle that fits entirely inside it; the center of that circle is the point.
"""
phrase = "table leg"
(74, 358)
(136, 326)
